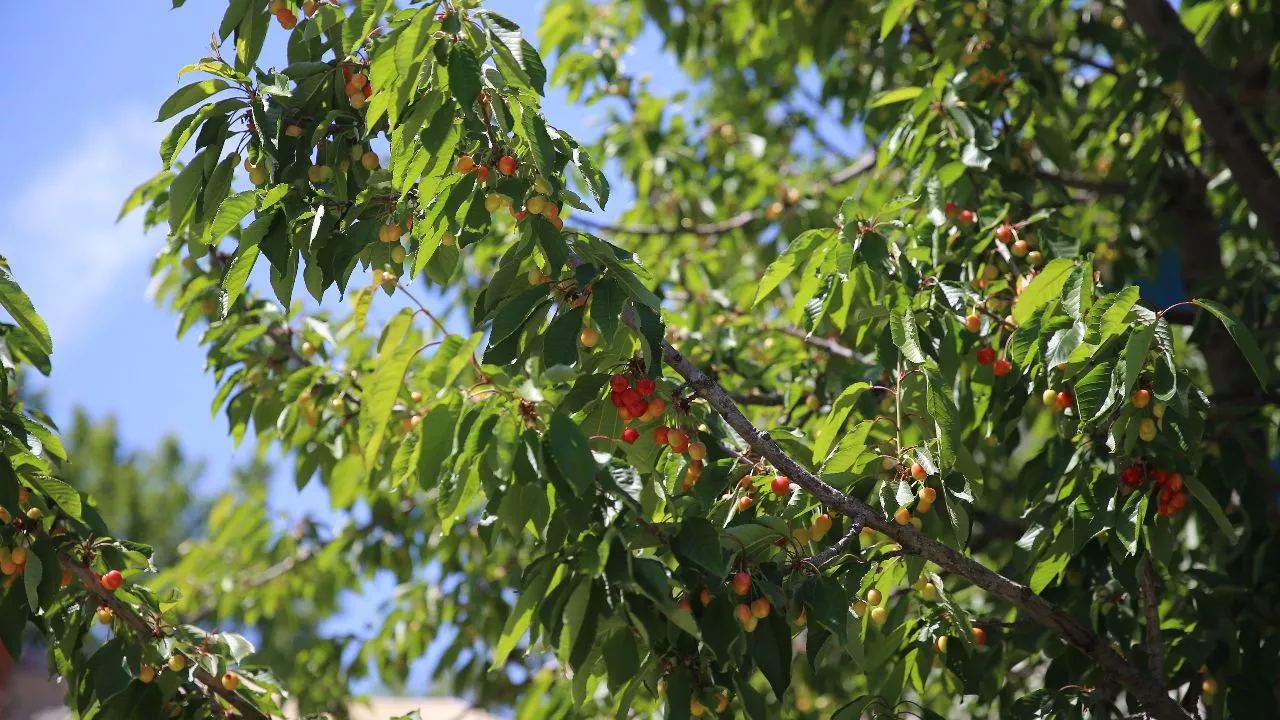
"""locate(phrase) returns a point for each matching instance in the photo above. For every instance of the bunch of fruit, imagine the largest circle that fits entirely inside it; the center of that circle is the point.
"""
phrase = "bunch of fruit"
(1170, 497)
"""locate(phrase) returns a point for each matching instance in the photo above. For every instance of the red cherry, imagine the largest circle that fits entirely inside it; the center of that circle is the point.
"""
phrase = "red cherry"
(742, 582)
(630, 435)
(112, 580)
(618, 383)
(1065, 399)
(482, 174)
(950, 209)
(744, 502)
(1160, 476)
(646, 387)
(616, 399)
(986, 355)
(1004, 233)
(1001, 367)
(979, 636)
(1178, 501)
(507, 165)
(630, 396)
(781, 486)
(660, 434)
(1131, 476)
(1175, 481)
(967, 217)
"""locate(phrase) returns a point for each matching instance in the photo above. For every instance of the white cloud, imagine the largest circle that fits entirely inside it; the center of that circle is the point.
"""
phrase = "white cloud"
(60, 232)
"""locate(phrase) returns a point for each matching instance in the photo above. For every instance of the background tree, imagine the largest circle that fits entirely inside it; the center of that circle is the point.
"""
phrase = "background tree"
(975, 460)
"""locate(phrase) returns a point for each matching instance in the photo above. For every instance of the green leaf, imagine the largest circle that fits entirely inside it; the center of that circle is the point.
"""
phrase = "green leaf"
(19, 307)
(189, 95)
(1242, 336)
(1211, 505)
(698, 544)
(828, 434)
(31, 577)
(1046, 287)
(770, 648)
(560, 343)
(66, 497)
(943, 411)
(796, 254)
(1135, 356)
(894, 13)
(902, 325)
(596, 181)
(1091, 392)
(464, 74)
(897, 95)
(230, 213)
(571, 453)
(533, 128)
(539, 577)
(397, 348)
(437, 443)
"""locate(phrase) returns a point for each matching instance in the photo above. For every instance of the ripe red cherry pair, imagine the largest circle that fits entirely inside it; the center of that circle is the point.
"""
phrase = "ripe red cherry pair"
(987, 356)
(644, 386)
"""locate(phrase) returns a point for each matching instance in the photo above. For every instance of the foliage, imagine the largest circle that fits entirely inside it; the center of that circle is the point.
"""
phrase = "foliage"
(976, 462)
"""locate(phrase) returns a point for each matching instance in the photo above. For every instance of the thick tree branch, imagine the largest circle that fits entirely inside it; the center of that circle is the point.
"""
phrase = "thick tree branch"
(1223, 122)
(1151, 693)
(1151, 603)
(212, 685)
(859, 166)
(758, 398)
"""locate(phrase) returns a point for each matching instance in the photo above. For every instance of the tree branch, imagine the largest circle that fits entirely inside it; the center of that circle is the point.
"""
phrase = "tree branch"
(1151, 602)
(212, 685)
(1146, 689)
(1097, 186)
(1222, 120)
(257, 580)
(859, 166)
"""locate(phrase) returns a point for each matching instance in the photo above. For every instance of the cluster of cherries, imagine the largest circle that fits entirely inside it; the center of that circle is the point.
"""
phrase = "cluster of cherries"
(358, 89)
(1170, 497)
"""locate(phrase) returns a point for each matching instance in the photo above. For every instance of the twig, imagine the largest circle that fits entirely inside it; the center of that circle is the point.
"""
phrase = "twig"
(259, 579)
(212, 685)
(1145, 688)
(859, 166)
(1097, 186)
(761, 399)
(839, 548)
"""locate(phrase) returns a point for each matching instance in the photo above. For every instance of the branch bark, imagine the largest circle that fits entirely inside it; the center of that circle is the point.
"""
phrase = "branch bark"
(1151, 603)
(1222, 120)
(1149, 691)
(212, 686)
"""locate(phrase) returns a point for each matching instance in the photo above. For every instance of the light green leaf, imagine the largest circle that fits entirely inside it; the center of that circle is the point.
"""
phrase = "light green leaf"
(398, 346)
(796, 254)
(894, 13)
(1046, 286)
(902, 325)
(20, 308)
(189, 95)
(230, 213)
(897, 95)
